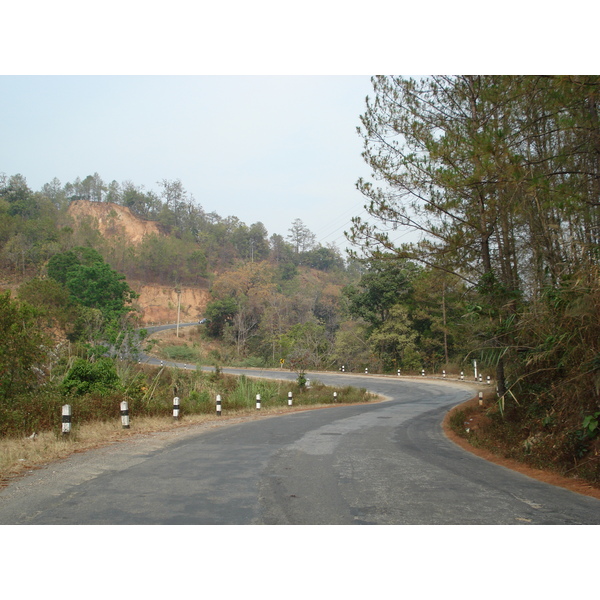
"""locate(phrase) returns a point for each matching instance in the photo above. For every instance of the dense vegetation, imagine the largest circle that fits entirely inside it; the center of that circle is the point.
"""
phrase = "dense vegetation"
(272, 298)
(501, 177)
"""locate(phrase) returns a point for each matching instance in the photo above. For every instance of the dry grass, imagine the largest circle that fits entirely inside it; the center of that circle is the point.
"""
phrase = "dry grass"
(21, 454)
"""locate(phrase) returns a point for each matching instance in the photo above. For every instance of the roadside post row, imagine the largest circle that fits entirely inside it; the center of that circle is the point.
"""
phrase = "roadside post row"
(67, 412)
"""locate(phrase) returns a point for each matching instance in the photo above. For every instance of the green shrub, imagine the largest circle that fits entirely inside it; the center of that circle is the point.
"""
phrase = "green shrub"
(86, 377)
(181, 353)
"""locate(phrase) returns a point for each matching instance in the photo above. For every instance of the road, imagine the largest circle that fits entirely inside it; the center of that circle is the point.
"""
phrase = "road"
(381, 463)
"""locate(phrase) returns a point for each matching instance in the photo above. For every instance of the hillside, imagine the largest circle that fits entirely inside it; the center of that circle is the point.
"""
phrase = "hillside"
(113, 220)
(157, 303)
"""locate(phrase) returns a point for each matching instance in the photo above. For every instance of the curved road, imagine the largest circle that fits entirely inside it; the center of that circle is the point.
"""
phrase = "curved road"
(381, 463)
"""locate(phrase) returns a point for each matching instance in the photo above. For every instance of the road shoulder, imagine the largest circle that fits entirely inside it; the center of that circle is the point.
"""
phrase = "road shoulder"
(555, 479)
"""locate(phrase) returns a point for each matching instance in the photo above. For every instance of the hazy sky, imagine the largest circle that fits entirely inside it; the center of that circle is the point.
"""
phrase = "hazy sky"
(262, 148)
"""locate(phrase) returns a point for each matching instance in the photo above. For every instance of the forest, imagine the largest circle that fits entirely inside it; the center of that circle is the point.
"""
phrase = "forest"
(500, 177)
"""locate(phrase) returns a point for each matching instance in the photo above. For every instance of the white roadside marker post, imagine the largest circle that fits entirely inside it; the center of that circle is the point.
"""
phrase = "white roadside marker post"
(218, 405)
(175, 408)
(125, 415)
(290, 399)
(257, 401)
(66, 419)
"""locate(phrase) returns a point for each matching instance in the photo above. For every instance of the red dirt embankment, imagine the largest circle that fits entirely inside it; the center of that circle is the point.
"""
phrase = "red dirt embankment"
(113, 220)
(159, 303)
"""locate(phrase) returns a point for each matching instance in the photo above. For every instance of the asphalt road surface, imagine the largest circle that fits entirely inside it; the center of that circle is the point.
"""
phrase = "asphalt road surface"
(381, 463)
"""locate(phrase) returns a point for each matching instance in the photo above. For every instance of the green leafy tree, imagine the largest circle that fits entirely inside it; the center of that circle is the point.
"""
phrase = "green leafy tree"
(306, 345)
(92, 282)
(384, 284)
(60, 265)
(219, 313)
(323, 258)
(351, 347)
(99, 286)
(102, 296)
(395, 341)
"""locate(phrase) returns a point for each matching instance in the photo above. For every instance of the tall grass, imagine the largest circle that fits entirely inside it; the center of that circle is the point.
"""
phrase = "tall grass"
(245, 392)
(149, 392)
(181, 353)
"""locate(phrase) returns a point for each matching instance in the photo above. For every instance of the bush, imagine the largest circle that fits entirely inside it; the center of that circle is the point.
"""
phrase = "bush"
(33, 411)
(85, 377)
(181, 353)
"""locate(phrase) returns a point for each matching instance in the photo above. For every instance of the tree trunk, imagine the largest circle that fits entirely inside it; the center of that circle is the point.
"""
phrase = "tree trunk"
(500, 380)
(445, 329)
